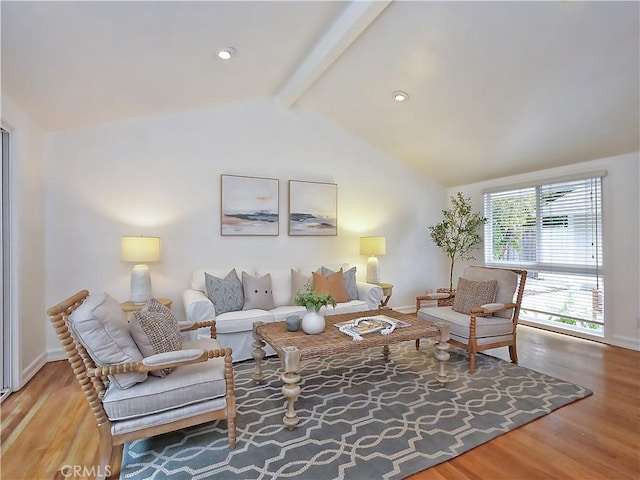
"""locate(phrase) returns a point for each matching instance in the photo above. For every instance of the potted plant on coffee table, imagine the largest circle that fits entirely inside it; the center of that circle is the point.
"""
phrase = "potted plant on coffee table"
(312, 321)
(458, 233)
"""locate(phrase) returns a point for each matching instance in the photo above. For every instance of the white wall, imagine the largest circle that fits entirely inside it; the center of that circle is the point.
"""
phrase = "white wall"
(621, 237)
(161, 176)
(26, 244)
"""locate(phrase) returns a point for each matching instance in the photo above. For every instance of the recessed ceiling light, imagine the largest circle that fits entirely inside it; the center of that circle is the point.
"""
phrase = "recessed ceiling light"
(400, 96)
(226, 53)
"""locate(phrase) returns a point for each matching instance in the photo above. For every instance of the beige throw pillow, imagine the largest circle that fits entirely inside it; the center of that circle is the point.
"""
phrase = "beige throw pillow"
(472, 294)
(299, 283)
(257, 292)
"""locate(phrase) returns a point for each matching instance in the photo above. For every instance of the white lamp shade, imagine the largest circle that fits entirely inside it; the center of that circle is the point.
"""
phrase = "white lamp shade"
(373, 246)
(140, 249)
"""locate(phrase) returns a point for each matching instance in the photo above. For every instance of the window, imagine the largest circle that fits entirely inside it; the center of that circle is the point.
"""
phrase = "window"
(554, 231)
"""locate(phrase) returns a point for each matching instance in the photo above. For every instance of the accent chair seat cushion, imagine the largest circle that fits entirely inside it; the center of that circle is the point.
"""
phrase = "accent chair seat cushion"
(459, 323)
(186, 385)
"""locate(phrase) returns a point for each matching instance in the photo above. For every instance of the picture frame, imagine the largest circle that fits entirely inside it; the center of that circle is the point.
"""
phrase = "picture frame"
(313, 208)
(249, 205)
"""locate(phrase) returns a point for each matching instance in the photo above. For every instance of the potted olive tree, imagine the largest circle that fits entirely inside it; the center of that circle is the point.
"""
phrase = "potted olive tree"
(458, 234)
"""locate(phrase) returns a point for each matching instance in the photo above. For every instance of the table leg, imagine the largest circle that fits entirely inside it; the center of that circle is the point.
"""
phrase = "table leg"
(291, 387)
(258, 352)
(385, 351)
(441, 352)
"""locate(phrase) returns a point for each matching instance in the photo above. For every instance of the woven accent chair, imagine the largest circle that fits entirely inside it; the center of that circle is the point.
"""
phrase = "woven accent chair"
(491, 321)
(199, 389)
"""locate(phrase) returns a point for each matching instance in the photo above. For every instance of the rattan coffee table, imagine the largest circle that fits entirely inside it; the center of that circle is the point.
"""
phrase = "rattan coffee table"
(293, 347)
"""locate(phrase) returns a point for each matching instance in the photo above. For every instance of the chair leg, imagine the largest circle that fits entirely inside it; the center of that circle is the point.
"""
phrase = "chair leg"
(105, 452)
(231, 427)
(417, 344)
(472, 362)
(513, 353)
(116, 461)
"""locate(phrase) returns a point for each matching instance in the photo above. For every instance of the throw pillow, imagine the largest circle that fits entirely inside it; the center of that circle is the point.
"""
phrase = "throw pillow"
(333, 284)
(299, 284)
(472, 294)
(349, 280)
(226, 293)
(101, 327)
(155, 330)
(257, 292)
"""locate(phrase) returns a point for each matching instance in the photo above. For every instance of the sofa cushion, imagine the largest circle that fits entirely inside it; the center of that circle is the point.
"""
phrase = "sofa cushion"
(155, 330)
(101, 327)
(257, 292)
(349, 280)
(226, 293)
(299, 283)
(470, 294)
(333, 284)
(189, 384)
(241, 321)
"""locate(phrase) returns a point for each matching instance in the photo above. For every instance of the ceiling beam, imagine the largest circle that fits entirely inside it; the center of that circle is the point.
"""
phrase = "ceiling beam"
(343, 32)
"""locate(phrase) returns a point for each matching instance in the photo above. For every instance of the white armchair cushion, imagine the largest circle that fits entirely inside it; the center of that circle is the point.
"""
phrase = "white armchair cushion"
(188, 384)
(101, 326)
(507, 284)
(459, 322)
(171, 357)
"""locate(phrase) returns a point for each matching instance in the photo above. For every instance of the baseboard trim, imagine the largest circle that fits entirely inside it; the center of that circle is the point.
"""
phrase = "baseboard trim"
(33, 368)
(625, 342)
(56, 354)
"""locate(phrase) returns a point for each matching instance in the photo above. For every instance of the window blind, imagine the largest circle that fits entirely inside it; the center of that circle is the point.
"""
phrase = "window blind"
(554, 231)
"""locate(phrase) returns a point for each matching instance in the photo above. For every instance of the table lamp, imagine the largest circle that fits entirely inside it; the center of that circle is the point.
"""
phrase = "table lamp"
(373, 246)
(140, 250)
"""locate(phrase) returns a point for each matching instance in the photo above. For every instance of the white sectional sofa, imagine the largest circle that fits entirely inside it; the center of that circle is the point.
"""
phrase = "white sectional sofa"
(235, 327)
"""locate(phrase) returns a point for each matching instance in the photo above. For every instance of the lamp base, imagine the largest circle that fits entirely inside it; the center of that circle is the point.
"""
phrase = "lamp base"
(140, 284)
(373, 273)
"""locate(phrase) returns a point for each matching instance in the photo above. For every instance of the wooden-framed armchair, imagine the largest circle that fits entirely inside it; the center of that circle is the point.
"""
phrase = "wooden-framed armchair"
(484, 313)
(128, 401)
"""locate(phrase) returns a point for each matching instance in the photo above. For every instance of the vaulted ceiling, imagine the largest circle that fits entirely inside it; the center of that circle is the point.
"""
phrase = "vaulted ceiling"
(495, 88)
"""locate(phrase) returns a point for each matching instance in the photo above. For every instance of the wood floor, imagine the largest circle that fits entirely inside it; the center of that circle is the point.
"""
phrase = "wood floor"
(47, 425)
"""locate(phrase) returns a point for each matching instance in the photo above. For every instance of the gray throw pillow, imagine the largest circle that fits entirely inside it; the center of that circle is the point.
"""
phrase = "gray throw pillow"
(225, 293)
(257, 292)
(349, 280)
(155, 330)
(470, 294)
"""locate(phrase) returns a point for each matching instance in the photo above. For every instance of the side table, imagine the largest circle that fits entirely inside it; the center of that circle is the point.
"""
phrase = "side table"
(129, 307)
(387, 291)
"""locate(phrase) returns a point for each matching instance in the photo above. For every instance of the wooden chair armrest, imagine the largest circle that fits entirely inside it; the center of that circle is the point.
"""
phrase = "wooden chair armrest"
(492, 308)
(431, 297)
(190, 327)
(161, 361)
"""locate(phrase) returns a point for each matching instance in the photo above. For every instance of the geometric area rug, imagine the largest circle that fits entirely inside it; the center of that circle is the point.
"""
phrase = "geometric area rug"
(361, 417)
